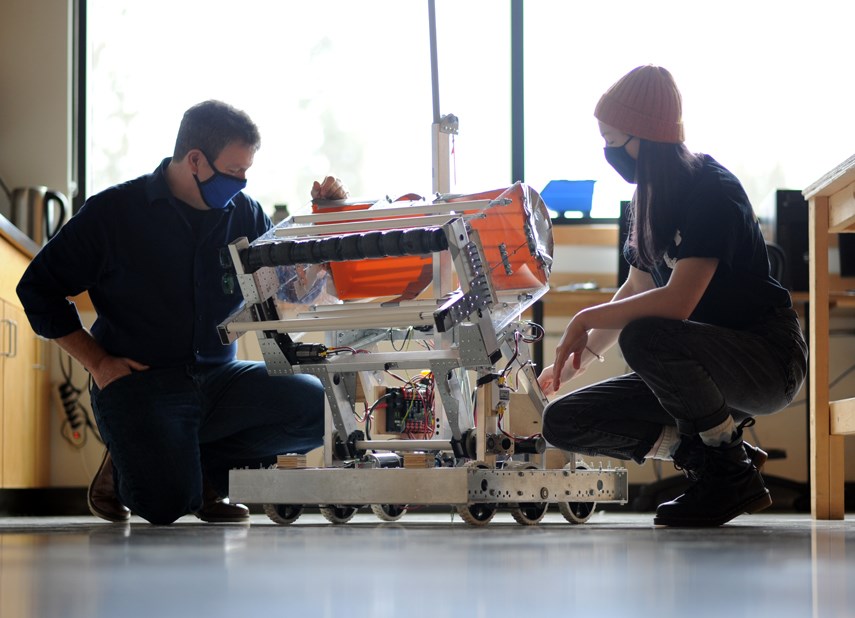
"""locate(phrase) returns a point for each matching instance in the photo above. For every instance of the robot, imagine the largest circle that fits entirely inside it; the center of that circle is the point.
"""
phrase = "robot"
(431, 395)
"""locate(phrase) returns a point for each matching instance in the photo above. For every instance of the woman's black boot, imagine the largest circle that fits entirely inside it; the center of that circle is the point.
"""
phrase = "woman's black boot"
(728, 484)
(689, 458)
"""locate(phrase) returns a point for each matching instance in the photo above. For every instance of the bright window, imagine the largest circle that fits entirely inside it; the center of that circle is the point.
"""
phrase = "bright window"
(344, 87)
(748, 71)
(335, 87)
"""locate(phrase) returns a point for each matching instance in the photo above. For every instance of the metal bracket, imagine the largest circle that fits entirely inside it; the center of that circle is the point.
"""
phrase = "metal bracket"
(449, 124)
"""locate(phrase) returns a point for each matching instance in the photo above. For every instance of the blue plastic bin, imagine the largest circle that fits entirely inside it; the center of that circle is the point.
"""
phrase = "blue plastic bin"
(568, 199)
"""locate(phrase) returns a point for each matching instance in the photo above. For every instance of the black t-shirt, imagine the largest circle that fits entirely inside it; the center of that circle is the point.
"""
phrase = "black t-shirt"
(718, 222)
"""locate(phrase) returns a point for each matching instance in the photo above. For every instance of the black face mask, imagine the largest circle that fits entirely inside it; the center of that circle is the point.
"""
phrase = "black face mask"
(621, 160)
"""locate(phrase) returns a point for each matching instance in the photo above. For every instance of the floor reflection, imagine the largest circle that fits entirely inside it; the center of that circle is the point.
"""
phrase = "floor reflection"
(425, 565)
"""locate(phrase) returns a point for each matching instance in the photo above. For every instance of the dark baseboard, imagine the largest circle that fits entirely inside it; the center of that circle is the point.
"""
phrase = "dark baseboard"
(47, 502)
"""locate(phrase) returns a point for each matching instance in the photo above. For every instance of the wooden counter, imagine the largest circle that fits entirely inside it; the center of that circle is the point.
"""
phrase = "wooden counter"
(24, 246)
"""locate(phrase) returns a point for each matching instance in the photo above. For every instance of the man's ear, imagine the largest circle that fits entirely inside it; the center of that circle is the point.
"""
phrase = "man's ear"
(194, 159)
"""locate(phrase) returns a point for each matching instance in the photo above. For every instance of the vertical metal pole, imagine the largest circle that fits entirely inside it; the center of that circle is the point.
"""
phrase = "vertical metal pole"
(518, 135)
(443, 279)
(439, 140)
(434, 70)
(517, 93)
(440, 160)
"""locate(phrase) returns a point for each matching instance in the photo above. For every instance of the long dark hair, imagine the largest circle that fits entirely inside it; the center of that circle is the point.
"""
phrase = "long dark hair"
(663, 172)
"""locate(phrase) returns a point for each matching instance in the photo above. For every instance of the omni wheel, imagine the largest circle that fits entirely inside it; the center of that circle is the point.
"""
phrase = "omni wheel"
(338, 513)
(389, 512)
(283, 514)
(577, 512)
(477, 514)
(527, 513)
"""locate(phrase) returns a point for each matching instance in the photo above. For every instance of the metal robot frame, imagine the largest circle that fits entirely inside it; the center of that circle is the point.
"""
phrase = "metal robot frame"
(474, 462)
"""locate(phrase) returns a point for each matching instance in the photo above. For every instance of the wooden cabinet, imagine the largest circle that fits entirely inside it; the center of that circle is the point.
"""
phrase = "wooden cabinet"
(24, 400)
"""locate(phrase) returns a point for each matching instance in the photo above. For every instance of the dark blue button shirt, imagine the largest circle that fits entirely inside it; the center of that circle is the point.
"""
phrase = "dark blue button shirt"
(151, 266)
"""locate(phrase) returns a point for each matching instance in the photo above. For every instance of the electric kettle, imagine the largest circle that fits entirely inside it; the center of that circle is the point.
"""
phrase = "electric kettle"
(39, 212)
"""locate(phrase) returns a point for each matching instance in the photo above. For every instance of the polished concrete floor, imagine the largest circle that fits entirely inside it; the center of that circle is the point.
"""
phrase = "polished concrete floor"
(616, 564)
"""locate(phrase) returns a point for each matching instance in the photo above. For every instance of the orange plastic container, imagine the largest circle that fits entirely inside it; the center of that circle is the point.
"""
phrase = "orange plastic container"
(392, 276)
(516, 239)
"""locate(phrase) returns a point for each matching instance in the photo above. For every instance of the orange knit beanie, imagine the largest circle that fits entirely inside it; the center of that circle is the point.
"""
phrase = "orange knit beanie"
(645, 103)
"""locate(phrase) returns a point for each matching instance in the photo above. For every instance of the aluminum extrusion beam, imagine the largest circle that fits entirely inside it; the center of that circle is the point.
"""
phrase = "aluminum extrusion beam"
(451, 486)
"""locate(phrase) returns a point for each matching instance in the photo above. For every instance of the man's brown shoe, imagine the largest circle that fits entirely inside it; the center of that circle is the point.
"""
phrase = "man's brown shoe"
(223, 512)
(215, 510)
(101, 498)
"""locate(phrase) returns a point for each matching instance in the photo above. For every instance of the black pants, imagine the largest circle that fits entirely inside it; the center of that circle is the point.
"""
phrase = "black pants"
(165, 426)
(684, 373)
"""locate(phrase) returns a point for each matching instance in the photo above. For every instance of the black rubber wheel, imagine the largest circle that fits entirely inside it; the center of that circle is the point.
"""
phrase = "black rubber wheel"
(338, 513)
(283, 514)
(389, 512)
(477, 514)
(577, 512)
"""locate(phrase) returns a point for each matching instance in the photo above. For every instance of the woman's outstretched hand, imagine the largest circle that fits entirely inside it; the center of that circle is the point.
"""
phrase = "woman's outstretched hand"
(547, 381)
(573, 343)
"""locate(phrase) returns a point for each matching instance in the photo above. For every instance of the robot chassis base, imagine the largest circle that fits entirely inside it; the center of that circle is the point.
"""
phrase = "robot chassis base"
(478, 467)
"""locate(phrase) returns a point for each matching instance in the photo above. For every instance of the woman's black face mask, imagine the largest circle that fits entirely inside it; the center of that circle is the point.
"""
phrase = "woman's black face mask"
(622, 161)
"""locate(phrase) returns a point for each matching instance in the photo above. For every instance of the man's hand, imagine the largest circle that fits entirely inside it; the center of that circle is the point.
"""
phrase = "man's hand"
(111, 368)
(330, 189)
(103, 367)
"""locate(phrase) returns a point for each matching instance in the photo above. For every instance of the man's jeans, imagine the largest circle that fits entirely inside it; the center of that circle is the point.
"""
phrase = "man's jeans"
(166, 427)
(687, 374)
